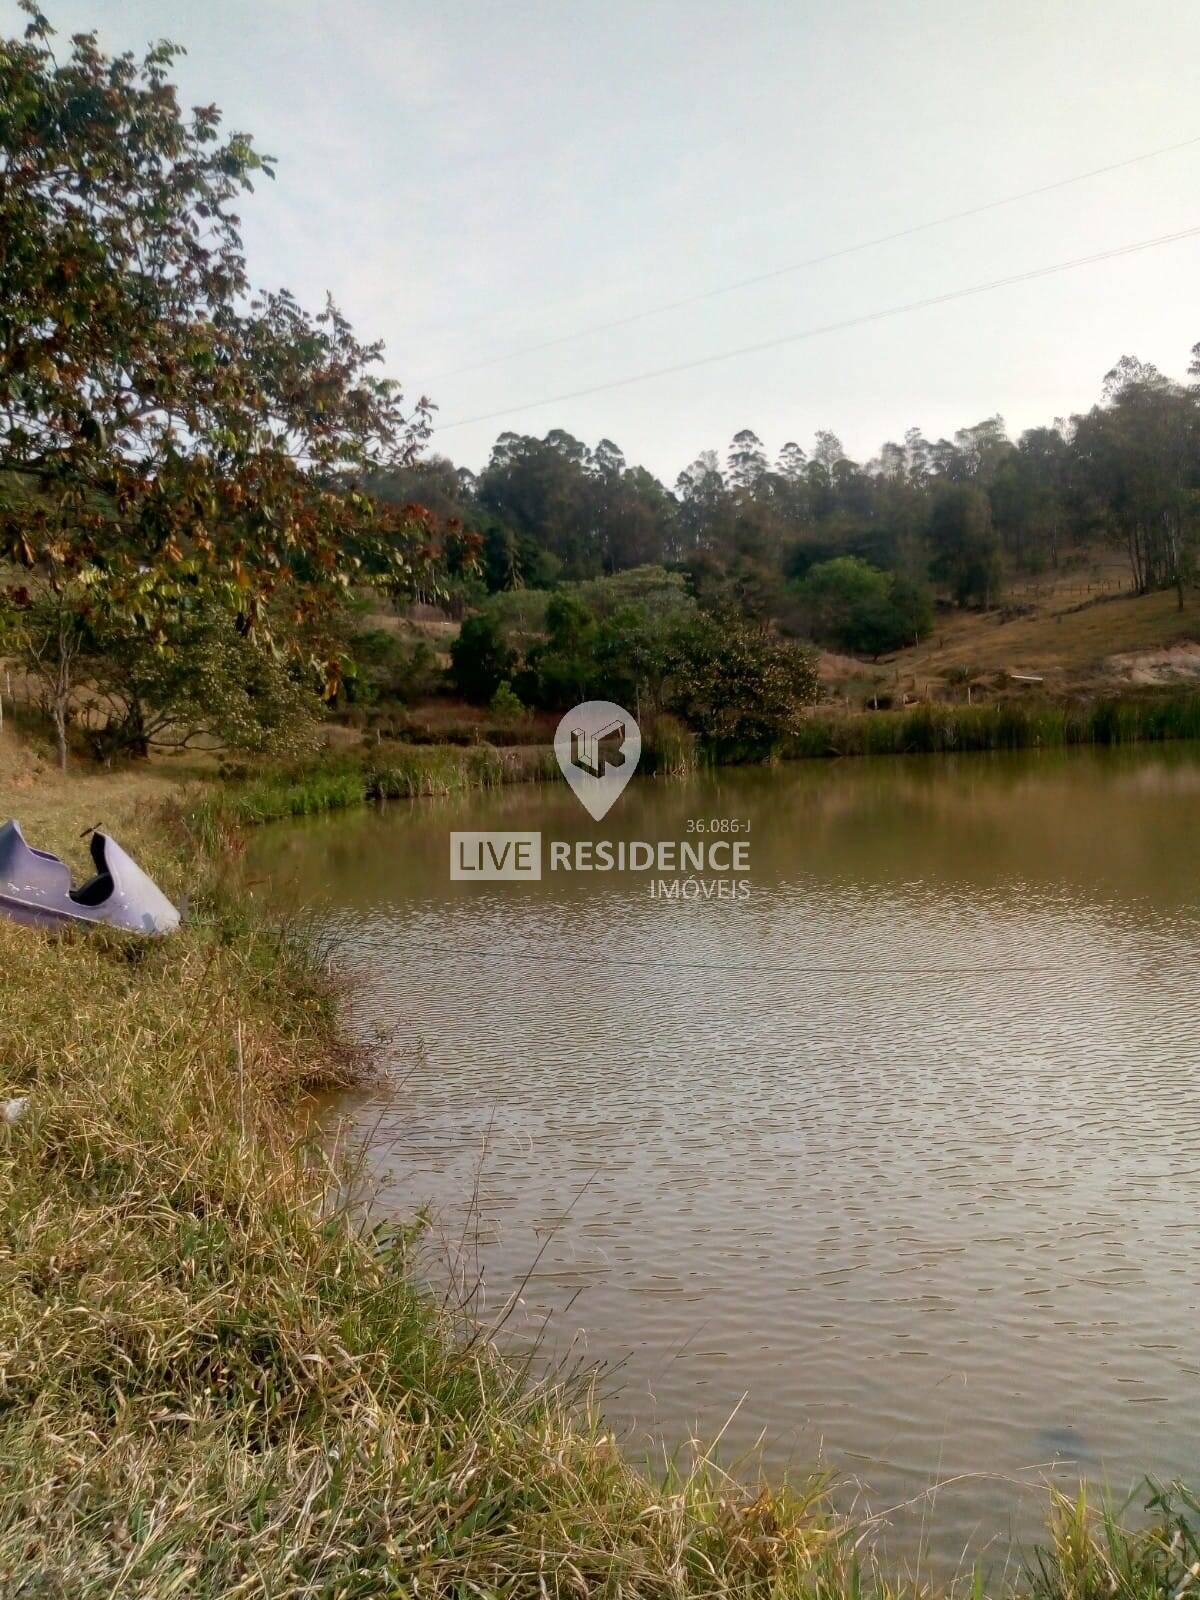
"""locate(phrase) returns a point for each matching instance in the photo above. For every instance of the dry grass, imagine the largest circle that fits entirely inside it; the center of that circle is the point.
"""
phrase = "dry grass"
(54, 810)
(214, 1383)
(211, 1383)
(1069, 644)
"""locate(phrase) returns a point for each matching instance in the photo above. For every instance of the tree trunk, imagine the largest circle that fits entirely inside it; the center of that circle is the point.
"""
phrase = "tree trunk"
(1135, 559)
(1173, 548)
(60, 732)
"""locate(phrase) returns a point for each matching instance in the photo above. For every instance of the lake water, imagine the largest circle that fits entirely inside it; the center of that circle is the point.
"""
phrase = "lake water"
(896, 1160)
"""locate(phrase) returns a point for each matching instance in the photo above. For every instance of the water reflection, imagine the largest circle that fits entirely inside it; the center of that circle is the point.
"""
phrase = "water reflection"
(905, 1148)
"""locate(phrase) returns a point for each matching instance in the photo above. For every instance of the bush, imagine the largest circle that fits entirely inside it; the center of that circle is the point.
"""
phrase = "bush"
(386, 668)
(855, 606)
(505, 704)
(561, 669)
(739, 686)
(480, 659)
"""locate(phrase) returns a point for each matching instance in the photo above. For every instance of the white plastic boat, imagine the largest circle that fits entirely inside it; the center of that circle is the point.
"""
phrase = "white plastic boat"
(35, 887)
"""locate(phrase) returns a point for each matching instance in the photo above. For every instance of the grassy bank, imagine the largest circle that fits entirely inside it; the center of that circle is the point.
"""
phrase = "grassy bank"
(1014, 725)
(407, 772)
(213, 1383)
(391, 772)
(395, 772)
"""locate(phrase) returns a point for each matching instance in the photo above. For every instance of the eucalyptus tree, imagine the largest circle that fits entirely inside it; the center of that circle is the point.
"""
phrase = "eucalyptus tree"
(747, 463)
(1138, 455)
(965, 551)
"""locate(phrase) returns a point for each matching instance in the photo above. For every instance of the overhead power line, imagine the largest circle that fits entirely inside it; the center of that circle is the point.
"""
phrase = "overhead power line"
(830, 327)
(812, 261)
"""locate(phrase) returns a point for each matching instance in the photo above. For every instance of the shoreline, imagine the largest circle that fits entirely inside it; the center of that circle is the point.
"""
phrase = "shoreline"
(196, 1343)
(398, 771)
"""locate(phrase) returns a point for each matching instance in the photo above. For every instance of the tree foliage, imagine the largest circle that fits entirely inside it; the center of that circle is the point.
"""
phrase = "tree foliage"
(957, 515)
(856, 607)
(179, 440)
(739, 686)
(965, 550)
(217, 686)
(480, 659)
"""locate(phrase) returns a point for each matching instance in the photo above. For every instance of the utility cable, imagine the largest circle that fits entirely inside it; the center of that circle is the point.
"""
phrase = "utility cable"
(829, 327)
(811, 261)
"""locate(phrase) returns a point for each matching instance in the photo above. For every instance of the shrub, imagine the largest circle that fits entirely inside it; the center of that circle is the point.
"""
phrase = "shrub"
(387, 668)
(739, 686)
(857, 607)
(505, 704)
(480, 659)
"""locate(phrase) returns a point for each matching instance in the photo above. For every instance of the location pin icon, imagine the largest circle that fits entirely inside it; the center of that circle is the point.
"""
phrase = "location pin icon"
(598, 744)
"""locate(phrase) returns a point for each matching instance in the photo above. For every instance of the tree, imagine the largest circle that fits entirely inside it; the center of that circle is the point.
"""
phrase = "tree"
(827, 450)
(1028, 497)
(214, 686)
(632, 654)
(1138, 455)
(859, 608)
(966, 551)
(704, 502)
(747, 462)
(180, 440)
(836, 589)
(911, 607)
(917, 455)
(535, 487)
(792, 462)
(739, 686)
(981, 449)
(49, 633)
(480, 659)
(561, 668)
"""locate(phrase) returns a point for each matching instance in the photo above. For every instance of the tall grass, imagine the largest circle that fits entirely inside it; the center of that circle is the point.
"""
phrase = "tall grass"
(216, 1382)
(669, 748)
(394, 771)
(219, 1383)
(387, 772)
(929, 729)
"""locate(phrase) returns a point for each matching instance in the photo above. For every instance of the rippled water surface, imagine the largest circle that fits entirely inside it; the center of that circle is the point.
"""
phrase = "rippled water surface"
(902, 1152)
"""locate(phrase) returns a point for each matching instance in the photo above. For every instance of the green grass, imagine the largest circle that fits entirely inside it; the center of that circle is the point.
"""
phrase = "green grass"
(393, 771)
(1013, 725)
(217, 1383)
(387, 772)
(669, 748)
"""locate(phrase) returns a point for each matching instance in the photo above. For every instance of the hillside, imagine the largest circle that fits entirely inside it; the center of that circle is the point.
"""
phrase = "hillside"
(1078, 633)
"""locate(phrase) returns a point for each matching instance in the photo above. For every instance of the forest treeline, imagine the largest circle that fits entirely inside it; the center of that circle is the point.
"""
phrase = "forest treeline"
(953, 516)
(204, 486)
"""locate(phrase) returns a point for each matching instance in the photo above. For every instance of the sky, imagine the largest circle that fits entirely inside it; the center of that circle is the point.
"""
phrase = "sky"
(475, 177)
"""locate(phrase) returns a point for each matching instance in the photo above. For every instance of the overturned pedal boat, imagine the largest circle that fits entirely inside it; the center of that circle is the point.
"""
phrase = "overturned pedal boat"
(35, 887)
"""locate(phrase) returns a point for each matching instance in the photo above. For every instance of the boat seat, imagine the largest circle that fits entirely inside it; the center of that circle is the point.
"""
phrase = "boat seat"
(95, 891)
(98, 888)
